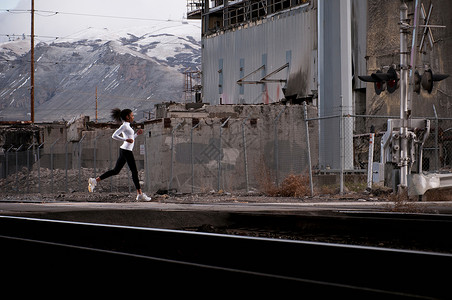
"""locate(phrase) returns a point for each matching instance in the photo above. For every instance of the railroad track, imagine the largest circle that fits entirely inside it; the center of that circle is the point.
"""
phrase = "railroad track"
(179, 258)
(410, 231)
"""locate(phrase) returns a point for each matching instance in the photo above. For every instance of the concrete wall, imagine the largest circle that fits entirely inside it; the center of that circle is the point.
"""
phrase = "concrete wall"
(175, 155)
(63, 143)
(96, 144)
(211, 157)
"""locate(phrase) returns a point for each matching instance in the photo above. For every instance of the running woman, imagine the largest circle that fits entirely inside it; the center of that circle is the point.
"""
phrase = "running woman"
(125, 134)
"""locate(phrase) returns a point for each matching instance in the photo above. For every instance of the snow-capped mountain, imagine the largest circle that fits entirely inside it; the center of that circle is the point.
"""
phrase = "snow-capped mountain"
(132, 68)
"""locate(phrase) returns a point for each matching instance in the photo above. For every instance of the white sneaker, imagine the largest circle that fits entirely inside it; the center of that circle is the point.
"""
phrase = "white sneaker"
(91, 184)
(143, 197)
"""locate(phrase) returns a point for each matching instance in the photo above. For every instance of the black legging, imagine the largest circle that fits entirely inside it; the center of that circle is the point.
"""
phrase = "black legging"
(124, 156)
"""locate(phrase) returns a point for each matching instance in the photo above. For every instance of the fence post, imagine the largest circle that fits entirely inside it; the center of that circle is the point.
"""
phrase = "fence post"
(277, 145)
(51, 165)
(110, 164)
(17, 168)
(146, 161)
(28, 167)
(172, 150)
(244, 153)
(219, 152)
(342, 148)
(370, 161)
(7, 165)
(39, 168)
(66, 163)
(436, 139)
(80, 159)
(305, 109)
(191, 158)
(95, 156)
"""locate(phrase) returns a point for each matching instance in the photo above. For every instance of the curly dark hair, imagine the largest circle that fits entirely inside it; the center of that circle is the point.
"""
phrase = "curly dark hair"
(118, 114)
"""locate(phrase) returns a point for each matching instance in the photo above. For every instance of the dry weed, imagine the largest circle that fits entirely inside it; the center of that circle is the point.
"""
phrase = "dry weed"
(295, 186)
(402, 203)
(292, 186)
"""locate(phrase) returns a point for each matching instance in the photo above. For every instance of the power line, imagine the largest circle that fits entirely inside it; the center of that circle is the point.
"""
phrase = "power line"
(54, 13)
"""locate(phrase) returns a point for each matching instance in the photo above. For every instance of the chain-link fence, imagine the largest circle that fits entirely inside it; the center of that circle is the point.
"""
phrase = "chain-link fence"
(253, 152)
(277, 150)
(353, 172)
(64, 167)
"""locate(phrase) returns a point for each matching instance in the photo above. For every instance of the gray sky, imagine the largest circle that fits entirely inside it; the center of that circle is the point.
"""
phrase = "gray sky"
(61, 25)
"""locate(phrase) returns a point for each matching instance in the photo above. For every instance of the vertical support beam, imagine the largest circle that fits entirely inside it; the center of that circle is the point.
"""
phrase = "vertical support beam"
(335, 82)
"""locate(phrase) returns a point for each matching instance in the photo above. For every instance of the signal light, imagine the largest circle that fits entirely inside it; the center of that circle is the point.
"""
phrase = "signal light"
(379, 84)
(417, 82)
(389, 80)
(428, 78)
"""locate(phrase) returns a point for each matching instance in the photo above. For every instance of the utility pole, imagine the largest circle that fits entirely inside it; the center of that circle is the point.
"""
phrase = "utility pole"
(32, 73)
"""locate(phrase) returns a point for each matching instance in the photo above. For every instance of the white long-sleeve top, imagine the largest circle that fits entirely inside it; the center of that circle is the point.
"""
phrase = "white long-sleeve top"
(127, 133)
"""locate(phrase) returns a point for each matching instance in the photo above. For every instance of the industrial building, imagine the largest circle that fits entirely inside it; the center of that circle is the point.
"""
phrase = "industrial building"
(291, 51)
(261, 52)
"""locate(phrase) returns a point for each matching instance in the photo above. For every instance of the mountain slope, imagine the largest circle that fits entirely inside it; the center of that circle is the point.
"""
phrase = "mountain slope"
(133, 68)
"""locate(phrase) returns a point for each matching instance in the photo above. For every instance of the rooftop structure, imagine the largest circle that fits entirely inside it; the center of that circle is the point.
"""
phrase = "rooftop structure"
(225, 14)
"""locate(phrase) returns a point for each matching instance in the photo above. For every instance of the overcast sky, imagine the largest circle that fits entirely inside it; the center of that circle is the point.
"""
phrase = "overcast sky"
(65, 23)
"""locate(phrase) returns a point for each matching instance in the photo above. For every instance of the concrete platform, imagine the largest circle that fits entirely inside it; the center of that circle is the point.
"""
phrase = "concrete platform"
(179, 215)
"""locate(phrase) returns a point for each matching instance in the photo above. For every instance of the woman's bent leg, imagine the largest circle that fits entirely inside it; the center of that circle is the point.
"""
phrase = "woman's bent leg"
(119, 164)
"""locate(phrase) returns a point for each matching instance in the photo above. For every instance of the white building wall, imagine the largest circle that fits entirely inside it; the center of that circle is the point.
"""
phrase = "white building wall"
(286, 37)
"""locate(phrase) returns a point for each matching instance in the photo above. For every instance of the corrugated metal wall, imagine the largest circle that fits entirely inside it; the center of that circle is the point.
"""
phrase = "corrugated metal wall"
(288, 37)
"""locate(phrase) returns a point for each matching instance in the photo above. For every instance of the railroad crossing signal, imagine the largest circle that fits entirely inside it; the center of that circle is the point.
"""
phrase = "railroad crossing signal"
(428, 78)
(390, 80)
(383, 81)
